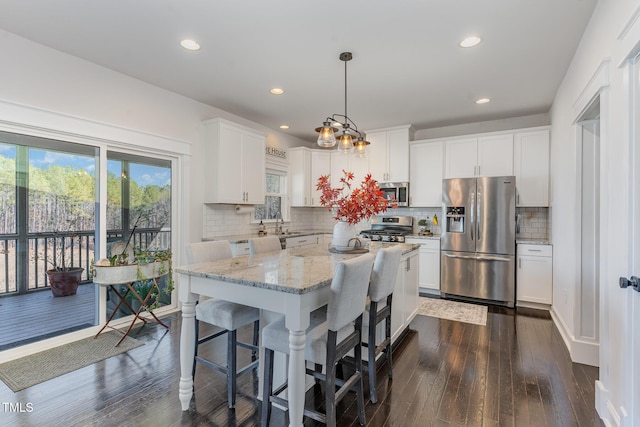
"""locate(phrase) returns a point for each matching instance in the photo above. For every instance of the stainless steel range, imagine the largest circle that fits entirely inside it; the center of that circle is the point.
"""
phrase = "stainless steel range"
(389, 228)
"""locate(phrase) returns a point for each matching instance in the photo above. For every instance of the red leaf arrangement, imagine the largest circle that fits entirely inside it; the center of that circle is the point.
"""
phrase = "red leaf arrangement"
(358, 204)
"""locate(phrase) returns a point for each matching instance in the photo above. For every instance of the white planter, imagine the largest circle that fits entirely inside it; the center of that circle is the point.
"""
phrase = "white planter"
(121, 274)
(343, 232)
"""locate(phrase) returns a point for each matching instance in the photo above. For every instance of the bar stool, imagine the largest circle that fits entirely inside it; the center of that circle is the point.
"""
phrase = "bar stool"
(334, 331)
(224, 314)
(260, 245)
(383, 281)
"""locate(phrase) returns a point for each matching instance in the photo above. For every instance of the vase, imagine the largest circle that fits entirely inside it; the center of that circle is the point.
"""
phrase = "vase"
(343, 232)
(64, 282)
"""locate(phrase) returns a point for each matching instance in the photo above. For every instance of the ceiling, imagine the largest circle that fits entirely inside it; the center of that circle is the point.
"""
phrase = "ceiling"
(407, 67)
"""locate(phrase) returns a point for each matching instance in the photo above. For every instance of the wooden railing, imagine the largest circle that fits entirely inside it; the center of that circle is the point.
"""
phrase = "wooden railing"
(45, 250)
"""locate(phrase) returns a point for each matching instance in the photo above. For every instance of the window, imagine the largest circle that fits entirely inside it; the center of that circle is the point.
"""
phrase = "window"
(275, 202)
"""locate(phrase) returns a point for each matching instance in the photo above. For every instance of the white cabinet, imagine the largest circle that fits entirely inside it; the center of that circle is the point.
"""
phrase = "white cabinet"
(350, 163)
(236, 168)
(534, 275)
(404, 305)
(461, 158)
(429, 257)
(300, 241)
(425, 177)
(239, 249)
(532, 168)
(305, 167)
(490, 155)
(389, 153)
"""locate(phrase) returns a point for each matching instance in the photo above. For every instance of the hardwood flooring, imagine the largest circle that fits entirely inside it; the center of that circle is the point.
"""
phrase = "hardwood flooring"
(515, 371)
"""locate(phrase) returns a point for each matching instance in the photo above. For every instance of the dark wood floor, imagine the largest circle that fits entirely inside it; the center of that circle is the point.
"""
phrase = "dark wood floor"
(513, 372)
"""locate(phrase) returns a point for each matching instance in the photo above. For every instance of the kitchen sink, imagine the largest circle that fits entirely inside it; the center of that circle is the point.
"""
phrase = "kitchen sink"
(289, 233)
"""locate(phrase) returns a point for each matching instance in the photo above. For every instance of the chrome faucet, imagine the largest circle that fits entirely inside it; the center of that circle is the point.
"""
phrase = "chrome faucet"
(279, 223)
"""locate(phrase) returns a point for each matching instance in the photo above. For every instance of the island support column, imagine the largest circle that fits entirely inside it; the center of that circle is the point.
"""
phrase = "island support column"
(187, 350)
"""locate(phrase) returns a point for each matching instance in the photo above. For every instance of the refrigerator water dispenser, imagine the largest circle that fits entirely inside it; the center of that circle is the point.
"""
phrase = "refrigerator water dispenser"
(455, 219)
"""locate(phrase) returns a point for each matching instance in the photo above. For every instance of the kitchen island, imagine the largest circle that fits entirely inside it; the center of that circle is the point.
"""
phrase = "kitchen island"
(293, 282)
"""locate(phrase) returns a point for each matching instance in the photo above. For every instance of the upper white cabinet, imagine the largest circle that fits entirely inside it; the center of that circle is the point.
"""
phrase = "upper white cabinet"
(461, 158)
(490, 155)
(389, 153)
(359, 166)
(305, 167)
(236, 155)
(532, 168)
(425, 173)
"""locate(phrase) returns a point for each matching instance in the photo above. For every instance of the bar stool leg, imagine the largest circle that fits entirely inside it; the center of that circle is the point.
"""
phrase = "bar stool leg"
(232, 372)
(267, 387)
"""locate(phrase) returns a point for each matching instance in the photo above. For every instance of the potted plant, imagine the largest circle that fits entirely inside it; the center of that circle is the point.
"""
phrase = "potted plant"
(351, 205)
(63, 278)
(147, 267)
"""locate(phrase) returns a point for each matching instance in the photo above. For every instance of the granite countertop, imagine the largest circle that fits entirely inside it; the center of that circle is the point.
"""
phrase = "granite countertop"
(423, 236)
(296, 270)
(244, 238)
(532, 241)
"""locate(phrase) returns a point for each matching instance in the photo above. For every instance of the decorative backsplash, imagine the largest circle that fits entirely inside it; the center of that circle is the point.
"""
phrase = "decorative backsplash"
(222, 220)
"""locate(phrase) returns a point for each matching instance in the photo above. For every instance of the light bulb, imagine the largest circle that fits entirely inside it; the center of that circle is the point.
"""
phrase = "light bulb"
(327, 137)
(346, 143)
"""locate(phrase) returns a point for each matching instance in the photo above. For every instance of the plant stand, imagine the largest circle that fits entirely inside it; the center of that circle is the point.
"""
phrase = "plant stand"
(128, 274)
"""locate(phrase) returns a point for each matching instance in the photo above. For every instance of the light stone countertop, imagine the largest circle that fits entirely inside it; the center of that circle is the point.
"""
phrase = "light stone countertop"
(422, 236)
(296, 270)
(532, 241)
(244, 238)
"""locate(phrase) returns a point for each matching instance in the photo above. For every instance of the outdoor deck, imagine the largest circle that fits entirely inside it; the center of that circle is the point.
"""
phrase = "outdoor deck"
(38, 315)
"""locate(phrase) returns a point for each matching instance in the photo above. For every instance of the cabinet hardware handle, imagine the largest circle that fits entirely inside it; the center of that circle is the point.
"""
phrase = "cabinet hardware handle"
(478, 170)
(632, 281)
(520, 263)
(534, 250)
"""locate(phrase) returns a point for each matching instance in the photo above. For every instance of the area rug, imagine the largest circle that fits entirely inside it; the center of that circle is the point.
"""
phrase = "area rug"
(453, 310)
(39, 367)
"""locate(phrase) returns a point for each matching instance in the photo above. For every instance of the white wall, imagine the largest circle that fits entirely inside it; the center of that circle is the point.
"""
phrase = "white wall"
(596, 67)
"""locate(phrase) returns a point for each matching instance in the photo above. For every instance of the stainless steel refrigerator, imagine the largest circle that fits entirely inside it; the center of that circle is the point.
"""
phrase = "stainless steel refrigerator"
(478, 244)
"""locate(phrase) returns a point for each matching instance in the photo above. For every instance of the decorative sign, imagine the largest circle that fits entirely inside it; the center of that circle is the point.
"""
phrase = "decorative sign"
(272, 151)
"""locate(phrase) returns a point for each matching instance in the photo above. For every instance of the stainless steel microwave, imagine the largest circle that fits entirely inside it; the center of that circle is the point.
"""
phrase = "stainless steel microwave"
(398, 191)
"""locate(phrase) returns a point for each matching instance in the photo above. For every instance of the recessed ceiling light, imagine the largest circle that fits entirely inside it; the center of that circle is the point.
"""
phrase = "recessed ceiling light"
(470, 41)
(284, 126)
(190, 44)
(483, 100)
(277, 91)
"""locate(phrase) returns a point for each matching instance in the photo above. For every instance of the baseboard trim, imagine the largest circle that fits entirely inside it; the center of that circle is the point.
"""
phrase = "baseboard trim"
(607, 410)
(584, 352)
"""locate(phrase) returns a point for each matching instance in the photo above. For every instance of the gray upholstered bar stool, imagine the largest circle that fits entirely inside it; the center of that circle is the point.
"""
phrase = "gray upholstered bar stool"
(260, 245)
(383, 281)
(226, 315)
(333, 333)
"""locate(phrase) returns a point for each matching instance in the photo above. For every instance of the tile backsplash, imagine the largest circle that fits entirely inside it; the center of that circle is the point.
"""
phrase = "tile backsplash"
(222, 220)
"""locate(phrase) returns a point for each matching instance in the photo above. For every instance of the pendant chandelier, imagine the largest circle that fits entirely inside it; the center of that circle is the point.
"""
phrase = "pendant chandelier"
(350, 139)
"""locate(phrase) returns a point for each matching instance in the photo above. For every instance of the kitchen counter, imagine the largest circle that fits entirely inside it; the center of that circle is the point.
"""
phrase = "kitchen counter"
(292, 282)
(422, 236)
(281, 271)
(244, 238)
(532, 241)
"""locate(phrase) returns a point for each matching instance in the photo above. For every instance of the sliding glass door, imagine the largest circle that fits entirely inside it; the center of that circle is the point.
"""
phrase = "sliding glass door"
(49, 218)
(138, 215)
(47, 221)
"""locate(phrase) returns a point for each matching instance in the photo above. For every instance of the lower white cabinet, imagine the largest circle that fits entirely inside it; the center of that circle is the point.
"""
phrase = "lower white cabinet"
(298, 242)
(404, 306)
(239, 249)
(429, 277)
(534, 277)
